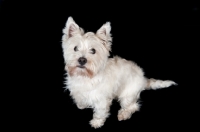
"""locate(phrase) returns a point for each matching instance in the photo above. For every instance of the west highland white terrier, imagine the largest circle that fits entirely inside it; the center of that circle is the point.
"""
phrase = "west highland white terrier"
(94, 79)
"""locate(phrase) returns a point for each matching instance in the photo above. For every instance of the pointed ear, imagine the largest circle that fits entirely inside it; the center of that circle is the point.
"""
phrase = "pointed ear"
(104, 34)
(71, 28)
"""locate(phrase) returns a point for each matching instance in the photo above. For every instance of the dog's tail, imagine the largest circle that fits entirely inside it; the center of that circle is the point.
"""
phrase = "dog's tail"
(157, 84)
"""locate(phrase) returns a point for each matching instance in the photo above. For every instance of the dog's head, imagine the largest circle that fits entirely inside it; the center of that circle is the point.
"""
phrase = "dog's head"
(85, 54)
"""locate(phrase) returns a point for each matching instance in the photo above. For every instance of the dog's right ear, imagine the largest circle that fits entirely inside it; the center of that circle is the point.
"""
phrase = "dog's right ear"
(104, 34)
(71, 28)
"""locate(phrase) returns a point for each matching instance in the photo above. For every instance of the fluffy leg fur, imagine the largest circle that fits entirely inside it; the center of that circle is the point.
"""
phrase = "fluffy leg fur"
(129, 97)
(101, 112)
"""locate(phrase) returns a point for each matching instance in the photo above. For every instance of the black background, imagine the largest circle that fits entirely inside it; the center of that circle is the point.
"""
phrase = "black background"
(161, 37)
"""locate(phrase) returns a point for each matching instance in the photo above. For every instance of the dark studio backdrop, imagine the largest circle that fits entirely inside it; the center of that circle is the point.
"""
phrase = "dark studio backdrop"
(161, 37)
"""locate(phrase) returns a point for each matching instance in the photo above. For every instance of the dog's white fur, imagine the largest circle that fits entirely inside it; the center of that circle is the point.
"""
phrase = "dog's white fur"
(102, 79)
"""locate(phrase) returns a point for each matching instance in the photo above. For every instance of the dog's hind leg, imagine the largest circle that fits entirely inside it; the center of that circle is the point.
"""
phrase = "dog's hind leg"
(128, 101)
(126, 111)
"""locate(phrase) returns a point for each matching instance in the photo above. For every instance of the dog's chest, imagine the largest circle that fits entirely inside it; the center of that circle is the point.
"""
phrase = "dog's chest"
(86, 90)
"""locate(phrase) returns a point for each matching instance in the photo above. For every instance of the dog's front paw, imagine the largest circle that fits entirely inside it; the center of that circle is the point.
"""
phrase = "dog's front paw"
(97, 122)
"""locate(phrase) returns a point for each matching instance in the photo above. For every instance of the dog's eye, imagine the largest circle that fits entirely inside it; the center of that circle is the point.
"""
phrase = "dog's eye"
(93, 51)
(75, 48)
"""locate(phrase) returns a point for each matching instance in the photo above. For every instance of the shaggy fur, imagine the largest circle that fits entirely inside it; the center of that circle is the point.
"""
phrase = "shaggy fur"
(94, 80)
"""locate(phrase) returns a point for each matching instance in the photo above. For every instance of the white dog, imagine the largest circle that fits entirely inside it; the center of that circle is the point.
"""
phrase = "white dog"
(94, 80)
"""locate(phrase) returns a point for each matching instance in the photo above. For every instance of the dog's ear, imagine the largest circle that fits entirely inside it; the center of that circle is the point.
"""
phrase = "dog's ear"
(104, 34)
(71, 28)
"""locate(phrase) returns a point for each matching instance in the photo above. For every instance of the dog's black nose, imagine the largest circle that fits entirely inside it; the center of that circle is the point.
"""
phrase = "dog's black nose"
(82, 60)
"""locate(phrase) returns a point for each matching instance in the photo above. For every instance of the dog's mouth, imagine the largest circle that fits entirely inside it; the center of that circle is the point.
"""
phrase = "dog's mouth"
(79, 66)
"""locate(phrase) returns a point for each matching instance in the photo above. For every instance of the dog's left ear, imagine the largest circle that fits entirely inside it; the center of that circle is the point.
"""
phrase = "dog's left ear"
(71, 28)
(104, 34)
